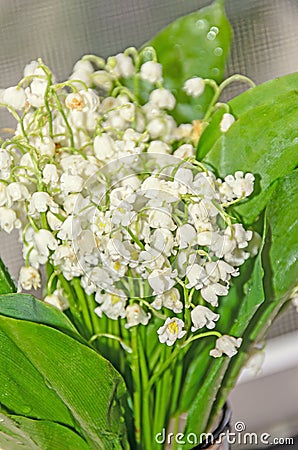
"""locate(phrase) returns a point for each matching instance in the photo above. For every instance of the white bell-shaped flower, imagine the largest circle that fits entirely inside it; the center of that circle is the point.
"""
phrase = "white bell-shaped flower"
(203, 317)
(171, 331)
(226, 345)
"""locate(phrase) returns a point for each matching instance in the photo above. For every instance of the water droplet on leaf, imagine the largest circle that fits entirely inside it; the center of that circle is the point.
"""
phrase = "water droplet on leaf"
(214, 30)
(202, 24)
(218, 51)
(211, 35)
(26, 409)
(215, 71)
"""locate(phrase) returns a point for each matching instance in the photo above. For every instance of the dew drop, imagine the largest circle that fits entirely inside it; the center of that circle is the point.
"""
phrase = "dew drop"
(202, 24)
(218, 51)
(215, 30)
(215, 71)
(211, 35)
(48, 384)
(26, 409)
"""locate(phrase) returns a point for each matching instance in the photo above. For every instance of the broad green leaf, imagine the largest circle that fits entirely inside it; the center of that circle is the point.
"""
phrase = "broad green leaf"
(263, 141)
(196, 363)
(16, 431)
(194, 45)
(282, 237)
(50, 376)
(12, 437)
(252, 297)
(198, 414)
(49, 435)
(27, 307)
(203, 385)
(279, 256)
(265, 94)
(6, 284)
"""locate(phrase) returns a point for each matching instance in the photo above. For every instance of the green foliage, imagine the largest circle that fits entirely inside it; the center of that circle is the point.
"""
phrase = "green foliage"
(265, 94)
(63, 386)
(194, 45)
(6, 284)
(262, 141)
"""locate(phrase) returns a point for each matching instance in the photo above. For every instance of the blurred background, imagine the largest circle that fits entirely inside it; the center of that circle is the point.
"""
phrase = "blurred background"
(264, 47)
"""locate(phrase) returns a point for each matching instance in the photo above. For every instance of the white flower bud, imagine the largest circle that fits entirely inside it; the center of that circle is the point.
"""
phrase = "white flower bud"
(162, 98)
(16, 192)
(161, 280)
(104, 147)
(36, 92)
(50, 174)
(226, 121)
(3, 194)
(8, 219)
(45, 146)
(151, 71)
(161, 218)
(31, 68)
(226, 345)
(156, 128)
(185, 151)
(103, 80)
(29, 278)
(201, 317)
(40, 202)
(14, 97)
(194, 86)
(71, 183)
(5, 160)
(57, 299)
(135, 315)
(53, 221)
(123, 65)
(170, 300)
(158, 147)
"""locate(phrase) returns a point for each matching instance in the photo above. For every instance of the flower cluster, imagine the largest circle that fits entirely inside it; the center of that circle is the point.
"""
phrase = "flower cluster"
(104, 187)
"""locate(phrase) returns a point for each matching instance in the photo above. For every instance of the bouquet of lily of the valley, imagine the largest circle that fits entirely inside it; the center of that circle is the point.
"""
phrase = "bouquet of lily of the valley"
(160, 223)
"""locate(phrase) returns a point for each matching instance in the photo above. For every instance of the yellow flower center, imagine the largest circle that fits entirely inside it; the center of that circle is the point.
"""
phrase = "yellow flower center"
(115, 299)
(173, 328)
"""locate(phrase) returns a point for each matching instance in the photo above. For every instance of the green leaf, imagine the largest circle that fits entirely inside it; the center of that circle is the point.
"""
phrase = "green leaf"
(279, 256)
(12, 437)
(198, 414)
(265, 94)
(37, 434)
(27, 307)
(194, 45)
(262, 141)
(282, 236)
(203, 385)
(6, 284)
(50, 376)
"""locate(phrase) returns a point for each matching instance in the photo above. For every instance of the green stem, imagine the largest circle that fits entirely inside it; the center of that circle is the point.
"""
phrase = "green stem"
(146, 428)
(76, 283)
(135, 370)
(95, 320)
(74, 309)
